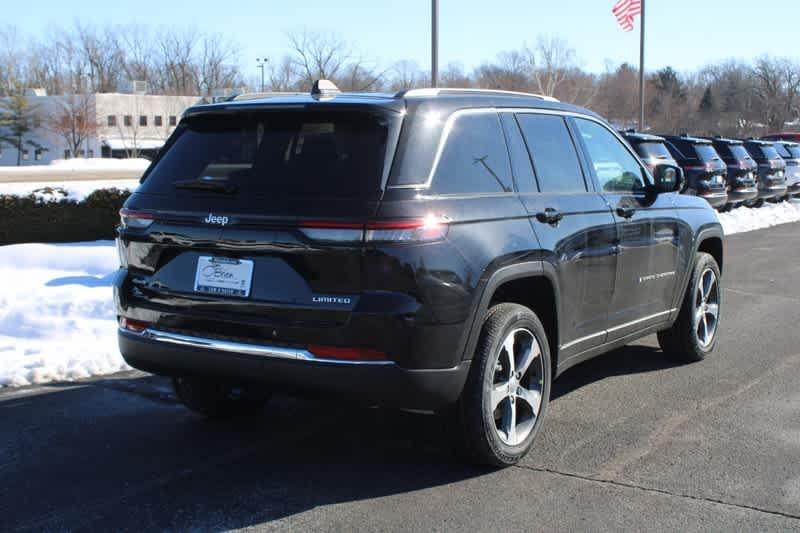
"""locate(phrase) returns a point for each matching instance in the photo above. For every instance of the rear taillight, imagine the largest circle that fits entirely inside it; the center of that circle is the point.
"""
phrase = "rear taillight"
(430, 228)
(134, 326)
(134, 219)
(346, 354)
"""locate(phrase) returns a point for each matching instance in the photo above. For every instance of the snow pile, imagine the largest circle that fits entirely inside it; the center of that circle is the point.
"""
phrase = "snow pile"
(100, 163)
(749, 219)
(76, 170)
(56, 191)
(57, 318)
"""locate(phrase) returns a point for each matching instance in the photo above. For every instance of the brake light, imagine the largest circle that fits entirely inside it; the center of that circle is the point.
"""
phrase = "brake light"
(134, 219)
(135, 326)
(346, 354)
(430, 228)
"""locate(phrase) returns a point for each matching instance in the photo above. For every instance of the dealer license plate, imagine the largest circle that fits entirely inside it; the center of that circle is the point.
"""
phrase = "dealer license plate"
(223, 276)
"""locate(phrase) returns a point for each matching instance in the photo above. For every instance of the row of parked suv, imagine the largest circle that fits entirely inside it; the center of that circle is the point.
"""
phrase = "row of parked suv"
(728, 173)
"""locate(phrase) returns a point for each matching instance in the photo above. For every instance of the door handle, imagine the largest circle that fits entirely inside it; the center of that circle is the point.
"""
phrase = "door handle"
(625, 212)
(549, 216)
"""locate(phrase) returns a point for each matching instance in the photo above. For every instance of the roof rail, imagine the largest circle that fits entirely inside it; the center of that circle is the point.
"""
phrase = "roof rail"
(436, 91)
(258, 95)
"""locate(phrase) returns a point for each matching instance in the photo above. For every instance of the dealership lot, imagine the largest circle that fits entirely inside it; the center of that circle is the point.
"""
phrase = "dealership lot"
(631, 441)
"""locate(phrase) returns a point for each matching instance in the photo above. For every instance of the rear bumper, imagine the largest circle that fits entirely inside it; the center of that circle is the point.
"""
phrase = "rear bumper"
(743, 194)
(383, 383)
(716, 199)
(772, 191)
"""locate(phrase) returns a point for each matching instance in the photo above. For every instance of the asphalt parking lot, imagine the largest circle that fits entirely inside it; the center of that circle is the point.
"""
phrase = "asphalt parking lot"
(631, 442)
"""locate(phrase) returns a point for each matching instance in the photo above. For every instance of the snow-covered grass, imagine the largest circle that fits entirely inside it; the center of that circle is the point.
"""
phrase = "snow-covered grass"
(66, 170)
(54, 191)
(57, 315)
(56, 312)
(749, 219)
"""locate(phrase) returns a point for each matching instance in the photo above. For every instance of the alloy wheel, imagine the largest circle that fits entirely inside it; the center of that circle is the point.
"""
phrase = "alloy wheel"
(706, 315)
(516, 395)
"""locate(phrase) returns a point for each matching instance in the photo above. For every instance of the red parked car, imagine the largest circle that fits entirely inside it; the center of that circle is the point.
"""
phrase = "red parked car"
(784, 136)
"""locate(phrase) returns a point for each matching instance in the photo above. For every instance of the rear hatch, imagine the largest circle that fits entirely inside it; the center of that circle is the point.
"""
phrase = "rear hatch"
(742, 169)
(790, 153)
(711, 170)
(654, 153)
(258, 216)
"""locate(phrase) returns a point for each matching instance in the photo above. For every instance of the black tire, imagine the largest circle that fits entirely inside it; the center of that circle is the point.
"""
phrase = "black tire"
(472, 422)
(682, 342)
(758, 203)
(214, 399)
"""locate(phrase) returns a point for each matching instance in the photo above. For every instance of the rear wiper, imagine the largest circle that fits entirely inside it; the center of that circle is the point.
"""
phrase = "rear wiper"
(205, 184)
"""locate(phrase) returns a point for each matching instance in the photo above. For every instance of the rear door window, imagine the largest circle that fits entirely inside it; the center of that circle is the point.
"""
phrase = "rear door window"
(474, 158)
(279, 153)
(555, 159)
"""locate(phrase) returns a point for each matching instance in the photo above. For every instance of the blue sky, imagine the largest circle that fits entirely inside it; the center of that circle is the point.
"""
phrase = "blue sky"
(683, 33)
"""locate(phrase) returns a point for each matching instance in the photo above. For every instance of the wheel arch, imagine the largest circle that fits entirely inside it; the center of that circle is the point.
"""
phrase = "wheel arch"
(533, 284)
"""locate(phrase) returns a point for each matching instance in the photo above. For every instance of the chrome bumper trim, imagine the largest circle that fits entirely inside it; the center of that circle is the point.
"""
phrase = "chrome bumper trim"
(261, 350)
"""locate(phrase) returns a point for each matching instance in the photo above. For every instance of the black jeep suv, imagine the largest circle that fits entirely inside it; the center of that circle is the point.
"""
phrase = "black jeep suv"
(742, 171)
(704, 169)
(771, 170)
(444, 250)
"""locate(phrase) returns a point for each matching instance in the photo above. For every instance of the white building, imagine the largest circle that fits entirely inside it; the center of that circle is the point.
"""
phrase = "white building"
(128, 125)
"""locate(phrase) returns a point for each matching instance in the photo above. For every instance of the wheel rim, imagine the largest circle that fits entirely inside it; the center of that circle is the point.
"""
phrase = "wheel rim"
(516, 395)
(706, 315)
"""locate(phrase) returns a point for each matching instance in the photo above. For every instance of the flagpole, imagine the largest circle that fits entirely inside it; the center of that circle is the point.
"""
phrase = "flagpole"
(641, 71)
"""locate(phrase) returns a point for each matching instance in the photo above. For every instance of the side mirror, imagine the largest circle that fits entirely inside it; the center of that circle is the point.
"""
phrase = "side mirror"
(668, 178)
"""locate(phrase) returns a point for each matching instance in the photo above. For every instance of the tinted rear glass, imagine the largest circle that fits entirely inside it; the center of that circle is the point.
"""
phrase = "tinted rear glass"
(738, 151)
(705, 152)
(555, 159)
(794, 151)
(655, 150)
(782, 151)
(769, 152)
(306, 154)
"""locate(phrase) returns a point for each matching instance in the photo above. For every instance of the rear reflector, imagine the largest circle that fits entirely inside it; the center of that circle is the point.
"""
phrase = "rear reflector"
(346, 354)
(134, 219)
(136, 326)
(430, 228)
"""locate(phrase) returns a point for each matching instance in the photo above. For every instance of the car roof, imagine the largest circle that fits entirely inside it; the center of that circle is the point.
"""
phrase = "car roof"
(687, 138)
(448, 99)
(759, 142)
(726, 140)
(785, 143)
(641, 137)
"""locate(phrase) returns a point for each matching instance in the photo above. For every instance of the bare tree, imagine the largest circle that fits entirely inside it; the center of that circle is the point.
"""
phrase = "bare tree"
(73, 120)
(406, 74)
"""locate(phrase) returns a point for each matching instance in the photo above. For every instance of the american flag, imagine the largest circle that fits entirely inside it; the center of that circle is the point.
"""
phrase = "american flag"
(625, 10)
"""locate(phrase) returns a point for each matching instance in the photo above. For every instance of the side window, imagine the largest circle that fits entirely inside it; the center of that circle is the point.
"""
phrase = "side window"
(616, 169)
(475, 158)
(555, 160)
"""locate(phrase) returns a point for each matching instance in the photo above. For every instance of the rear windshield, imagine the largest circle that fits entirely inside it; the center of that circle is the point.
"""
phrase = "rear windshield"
(655, 150)
(296, 153)
(738, 151)
(767, 152)
(705, 152)
(787, 151)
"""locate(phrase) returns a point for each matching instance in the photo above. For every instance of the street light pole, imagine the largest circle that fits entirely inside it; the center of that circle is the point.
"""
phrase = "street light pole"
(641, 70)
(261, 64)
(434, 43)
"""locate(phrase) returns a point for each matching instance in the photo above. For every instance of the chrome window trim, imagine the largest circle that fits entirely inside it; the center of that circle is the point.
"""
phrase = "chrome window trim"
(616, 328)
(261, 350)
(448, 126)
